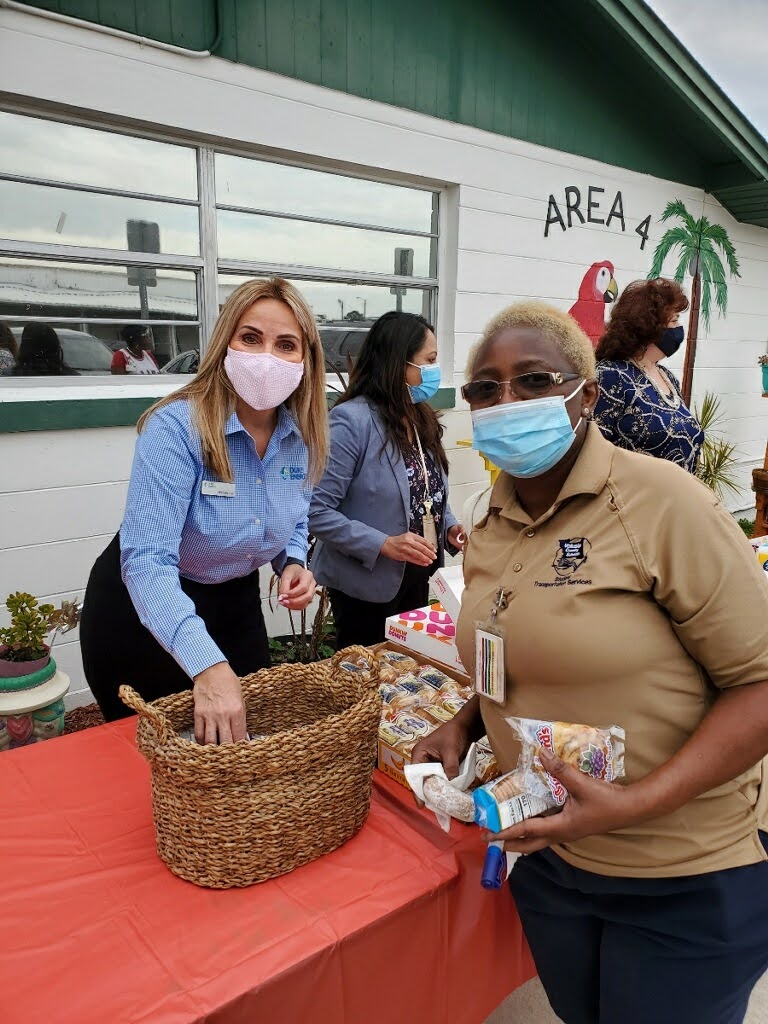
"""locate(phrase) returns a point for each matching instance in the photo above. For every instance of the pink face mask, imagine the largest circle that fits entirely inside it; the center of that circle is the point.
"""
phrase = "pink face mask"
(262, 380)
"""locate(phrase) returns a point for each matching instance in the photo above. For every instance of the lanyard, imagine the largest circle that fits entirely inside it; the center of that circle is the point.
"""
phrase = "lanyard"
(427, 498)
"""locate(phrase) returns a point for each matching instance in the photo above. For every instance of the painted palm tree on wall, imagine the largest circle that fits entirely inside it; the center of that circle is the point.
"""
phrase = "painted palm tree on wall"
(698, 242)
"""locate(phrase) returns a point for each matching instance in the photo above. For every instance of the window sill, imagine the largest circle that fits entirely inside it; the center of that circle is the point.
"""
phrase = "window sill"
(92, 402)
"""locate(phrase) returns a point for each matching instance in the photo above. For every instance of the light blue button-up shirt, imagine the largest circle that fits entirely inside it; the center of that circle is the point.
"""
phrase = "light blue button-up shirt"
(173, 526)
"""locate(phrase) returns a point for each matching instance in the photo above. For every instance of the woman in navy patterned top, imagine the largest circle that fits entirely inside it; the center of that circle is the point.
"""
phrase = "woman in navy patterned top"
(641, 406)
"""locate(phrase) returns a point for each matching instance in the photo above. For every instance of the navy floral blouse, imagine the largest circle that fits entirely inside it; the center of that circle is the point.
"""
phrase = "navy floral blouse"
(633, 414)
(416, 483)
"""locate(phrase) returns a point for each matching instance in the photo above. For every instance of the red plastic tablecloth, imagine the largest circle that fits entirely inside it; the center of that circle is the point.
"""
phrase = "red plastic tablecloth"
(393, 928)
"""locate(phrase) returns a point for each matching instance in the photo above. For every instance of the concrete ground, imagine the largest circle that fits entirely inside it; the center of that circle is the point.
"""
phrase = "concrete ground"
(529, 1006)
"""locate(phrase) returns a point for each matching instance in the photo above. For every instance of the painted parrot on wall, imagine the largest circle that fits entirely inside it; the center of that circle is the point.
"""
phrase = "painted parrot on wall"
(597, 289)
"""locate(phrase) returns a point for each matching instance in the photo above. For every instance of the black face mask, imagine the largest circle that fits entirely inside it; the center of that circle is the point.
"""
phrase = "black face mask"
(671, 339)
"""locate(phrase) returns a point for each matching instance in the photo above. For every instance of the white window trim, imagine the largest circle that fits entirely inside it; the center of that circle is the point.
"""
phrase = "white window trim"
(207, 265)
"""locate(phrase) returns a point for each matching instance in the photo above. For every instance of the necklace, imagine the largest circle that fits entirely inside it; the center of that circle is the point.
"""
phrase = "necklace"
(671, 398)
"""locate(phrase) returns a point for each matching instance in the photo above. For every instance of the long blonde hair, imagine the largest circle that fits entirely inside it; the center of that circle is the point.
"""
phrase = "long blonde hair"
(213, 398)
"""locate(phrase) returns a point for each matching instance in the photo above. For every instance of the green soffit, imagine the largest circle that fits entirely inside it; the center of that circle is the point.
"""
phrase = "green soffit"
(604, 79)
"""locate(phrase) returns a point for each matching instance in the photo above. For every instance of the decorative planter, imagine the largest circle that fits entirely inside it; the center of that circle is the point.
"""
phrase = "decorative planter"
(32, 713)
(765, 378)
(15, 675)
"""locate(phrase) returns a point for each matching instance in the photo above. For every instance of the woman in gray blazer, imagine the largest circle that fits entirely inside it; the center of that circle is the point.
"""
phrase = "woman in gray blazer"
(380, 513)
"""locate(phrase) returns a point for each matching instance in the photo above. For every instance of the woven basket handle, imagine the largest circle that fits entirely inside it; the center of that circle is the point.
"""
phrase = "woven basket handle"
(364, 654)
(129, 697)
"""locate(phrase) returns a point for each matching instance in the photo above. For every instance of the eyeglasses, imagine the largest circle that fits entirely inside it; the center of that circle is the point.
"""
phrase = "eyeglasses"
(527, 385)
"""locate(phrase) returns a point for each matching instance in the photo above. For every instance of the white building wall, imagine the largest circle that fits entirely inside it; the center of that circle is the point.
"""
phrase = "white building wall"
(61, 494)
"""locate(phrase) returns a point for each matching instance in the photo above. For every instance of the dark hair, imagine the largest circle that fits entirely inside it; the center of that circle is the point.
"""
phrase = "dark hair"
(132, 334)
(8, 340)
(379, 376)
(40, 353)
(640, 316)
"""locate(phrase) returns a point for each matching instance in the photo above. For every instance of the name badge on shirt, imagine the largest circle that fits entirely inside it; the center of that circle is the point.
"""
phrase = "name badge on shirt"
(218, 488)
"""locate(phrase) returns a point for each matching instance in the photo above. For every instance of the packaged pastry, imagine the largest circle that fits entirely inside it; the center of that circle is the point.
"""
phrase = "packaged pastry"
(443, 798)
(392, 665)
(413, 724)
(403, 700)
(450, 688)
(413, 684)
(453, 704)
(598, 752)
(434, 677)
(388, 692)
(507, 801)
(436, 713)
(486, 766)
(392, 734)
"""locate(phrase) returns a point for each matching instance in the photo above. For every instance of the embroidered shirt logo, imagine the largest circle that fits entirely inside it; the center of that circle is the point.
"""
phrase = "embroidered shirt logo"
(292, 473)
(571, 555)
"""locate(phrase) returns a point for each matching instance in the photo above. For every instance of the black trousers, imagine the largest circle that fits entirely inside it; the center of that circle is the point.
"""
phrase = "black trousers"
(644, 950)
(362, 622)
(117, 649)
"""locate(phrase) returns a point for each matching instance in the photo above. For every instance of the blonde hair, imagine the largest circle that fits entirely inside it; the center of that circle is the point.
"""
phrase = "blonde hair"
(553, 323)
(213, 398)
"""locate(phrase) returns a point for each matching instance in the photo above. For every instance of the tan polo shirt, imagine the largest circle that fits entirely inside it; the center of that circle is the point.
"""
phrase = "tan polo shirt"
(632, 600)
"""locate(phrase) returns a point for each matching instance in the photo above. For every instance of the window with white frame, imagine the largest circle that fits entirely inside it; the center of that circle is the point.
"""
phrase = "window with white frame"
(101, 249)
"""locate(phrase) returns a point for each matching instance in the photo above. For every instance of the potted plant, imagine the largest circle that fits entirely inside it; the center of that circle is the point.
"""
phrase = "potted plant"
(31, 687)
(763, 361)
(24, 652)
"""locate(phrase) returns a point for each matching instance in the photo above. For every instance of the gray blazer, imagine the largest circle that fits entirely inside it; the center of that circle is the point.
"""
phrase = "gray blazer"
(362, 499)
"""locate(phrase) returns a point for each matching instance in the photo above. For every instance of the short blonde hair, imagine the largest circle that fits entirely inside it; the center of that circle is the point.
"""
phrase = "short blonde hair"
(551, 322)
(213, 397)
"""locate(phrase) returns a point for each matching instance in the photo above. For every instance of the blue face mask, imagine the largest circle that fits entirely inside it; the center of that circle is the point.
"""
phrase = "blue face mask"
(525, 439)
(430, 382)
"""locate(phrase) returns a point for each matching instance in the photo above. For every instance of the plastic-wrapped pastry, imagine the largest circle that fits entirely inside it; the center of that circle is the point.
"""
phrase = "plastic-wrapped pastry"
(453, 704)
(486, 766)
(392, 734)
(393, 664)
(434, 677)
(435, 712)
(598, 752)
(411, 722)
(442, 797)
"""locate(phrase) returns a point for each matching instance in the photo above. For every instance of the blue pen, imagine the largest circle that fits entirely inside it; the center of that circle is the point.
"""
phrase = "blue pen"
(495, 867)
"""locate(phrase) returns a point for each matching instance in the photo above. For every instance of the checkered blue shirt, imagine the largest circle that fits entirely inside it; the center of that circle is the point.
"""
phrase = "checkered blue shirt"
(172, 528)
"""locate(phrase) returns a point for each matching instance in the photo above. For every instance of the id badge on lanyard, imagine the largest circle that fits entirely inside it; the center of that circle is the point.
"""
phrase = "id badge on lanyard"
(490, 675)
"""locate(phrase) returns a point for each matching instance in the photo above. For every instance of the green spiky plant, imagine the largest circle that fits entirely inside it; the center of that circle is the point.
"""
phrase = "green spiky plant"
(718, 460)
(698, 242)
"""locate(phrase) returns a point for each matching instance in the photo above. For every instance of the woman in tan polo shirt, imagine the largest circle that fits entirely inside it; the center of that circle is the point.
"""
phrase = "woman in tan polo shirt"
(631, 599)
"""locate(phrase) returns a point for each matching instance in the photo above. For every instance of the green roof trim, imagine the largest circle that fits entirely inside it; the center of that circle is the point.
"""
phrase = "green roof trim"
(740, 185)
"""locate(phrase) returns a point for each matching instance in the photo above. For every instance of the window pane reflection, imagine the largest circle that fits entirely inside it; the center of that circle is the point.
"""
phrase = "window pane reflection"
(59, 216)
(245, 236)
(344, 312)
(31, 147)
(44, 288)
(39, 349)
(259, 185)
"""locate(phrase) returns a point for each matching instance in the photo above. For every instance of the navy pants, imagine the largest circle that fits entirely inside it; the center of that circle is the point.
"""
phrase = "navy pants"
(644, 951)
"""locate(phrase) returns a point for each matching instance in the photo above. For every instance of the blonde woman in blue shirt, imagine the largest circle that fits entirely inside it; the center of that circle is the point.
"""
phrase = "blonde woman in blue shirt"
(220, 486)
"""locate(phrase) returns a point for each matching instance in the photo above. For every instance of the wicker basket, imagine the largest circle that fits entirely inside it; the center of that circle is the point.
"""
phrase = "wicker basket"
(240, 813)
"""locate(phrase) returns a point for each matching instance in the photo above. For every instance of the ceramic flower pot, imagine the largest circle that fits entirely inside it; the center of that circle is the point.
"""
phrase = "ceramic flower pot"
(23, 675)
(765, 378)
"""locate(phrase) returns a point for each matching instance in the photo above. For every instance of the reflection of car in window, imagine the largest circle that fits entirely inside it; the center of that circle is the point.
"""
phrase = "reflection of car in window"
(339, 338)
(82, 352)
(184, 362)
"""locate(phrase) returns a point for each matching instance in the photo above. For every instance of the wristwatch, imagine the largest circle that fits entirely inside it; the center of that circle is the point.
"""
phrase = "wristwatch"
(293, 561)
